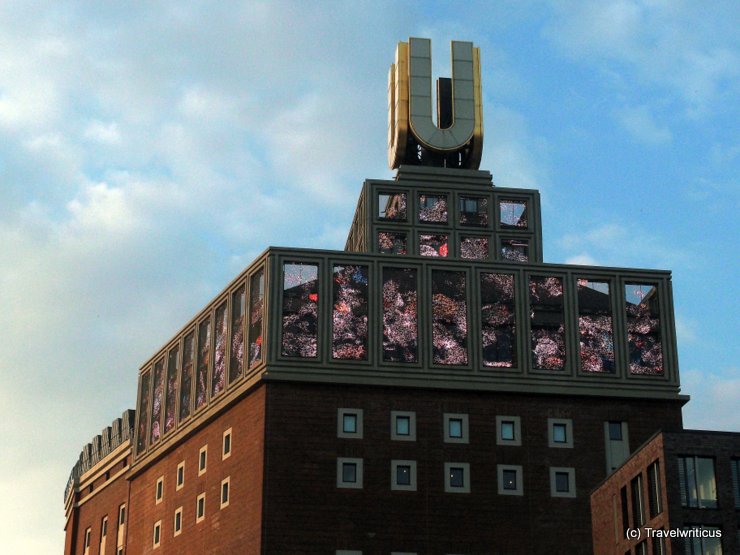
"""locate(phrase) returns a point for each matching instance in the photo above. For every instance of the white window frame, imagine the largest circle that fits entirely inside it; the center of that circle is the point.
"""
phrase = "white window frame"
(357, 484)
(224, 454)
(177, 530)
(411, 415)
(200, 518)
(519, 470)
(179, 484)
(554, 470)
(157, 534)
(568, 423)
(395, 486)
(202, 468)
(227, 482)
(517, 421)
(159, 490)
(464, 429)
(341, 413)
(449, 488)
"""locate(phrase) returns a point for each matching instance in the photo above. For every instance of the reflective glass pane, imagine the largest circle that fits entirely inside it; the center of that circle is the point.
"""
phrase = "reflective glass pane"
(643, 329)
(218, 381)
(186, 375)
(236, 363)
(350, 312)
(256, 302)
(392, 243)
(474, 248)
(143, 412)
(449, 318)
(433, 244)
(513, 214)
(204, 360)
(403, 475)
(515, 250)
(509, 479)
(157, 392)
(300, 310)
(392, 206)
(595, 326)
(498, 320)
(474, 211)
(547, 322)
(433, 208)
(400, 314)
(171, 399)
(403, 425)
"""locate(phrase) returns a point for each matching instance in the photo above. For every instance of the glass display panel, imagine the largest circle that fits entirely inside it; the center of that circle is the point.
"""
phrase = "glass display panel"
(449, 318)
(474, 211)
(400, 315)
(513, 214)
(350, 313)
(218, 380)
(186, 375)
(547, 322)
(474, 248)
(595, 327)
(433, 208)
(157, 392)
(236, 360)
(256, 309)
(143, 412)
(516, 250)
(300, 309)
(643, 329)
(433, 245)
(498, 320)
(171, 398)
(392, 243)
(392, 206)
(204, 359)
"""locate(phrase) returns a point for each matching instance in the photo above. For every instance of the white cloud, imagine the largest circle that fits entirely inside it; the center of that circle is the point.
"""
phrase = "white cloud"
(714, 399)
(584, 259)
(642, 125)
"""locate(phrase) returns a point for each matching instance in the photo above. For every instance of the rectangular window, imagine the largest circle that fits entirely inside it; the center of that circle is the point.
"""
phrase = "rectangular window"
(510, 479)
(157, 392)
(180, 482)
(177, 523)
(560, 432)
(87, 541)
(638, 506)
(238, 306)
(173, 359)
(226, 445)
(159, 490)
(349, 473)
(625, 510)
(474, 248)
(449, 318)
(547, 322)
(256, 308)
(456, 428)
(392, 206)
(186, 375)
(474, 211)
(515, 250)
(615, 431)
(350, 312)
(498, 320)
(562, 482)
(403, 425)
(655, 496)
(200, 507)
(204, 360)
(141, 434)
(643, 329)
(704, 540)
(403, 475)
(434, 244)
(157, 535)
(595, 326)
(508, 430)
(218, 380)
(400, 315)
(457, 477)
(202, 459)
(433, 208)
(392, 242)
(349, 423)
(225, 485)
(616, 444)
(103, 534)
(513, 214)
(696, 479)
(121, 530)
(300, 309)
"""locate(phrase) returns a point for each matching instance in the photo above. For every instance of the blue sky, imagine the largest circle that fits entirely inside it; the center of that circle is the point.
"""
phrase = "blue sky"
(149, 151)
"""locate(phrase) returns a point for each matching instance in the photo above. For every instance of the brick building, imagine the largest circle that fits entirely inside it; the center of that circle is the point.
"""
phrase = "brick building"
(435, 388)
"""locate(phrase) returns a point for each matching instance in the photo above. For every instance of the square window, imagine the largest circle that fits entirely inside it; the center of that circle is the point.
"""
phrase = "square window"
(508, 430)
(403, 475)
(200, 507)
(560, 432)
(226, 445)
(436, 245)
(225, 491)
(457, 477)
(349, 423)
(562, 482)
(474, 248)
(433, 208)
(159, 490)
(202, 459)
(177, 525)
(180, 481)
(510, 479)
(515, 250)
(349, 473)
(456, 428)
(392, 206)
(513, 214)
(474, 211)
(157, 533)
(390, 242)
(403, 425)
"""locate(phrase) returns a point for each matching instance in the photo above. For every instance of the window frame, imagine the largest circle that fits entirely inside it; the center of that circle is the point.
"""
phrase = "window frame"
(157, 534)
(341, 483)
(180, 476)
(358, 414)
(395, 486)
(226, 442)
(395, 415)
(177, 523)
(227, 483)
(519, 469)
(568, 423)
(464, 437)
(203, 460)
(449, 488)
(159, 490)
(571, 472)
(200, 516)
(517, 422)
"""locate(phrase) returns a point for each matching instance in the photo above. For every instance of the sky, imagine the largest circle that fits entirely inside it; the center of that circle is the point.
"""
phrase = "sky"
(150, 150)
